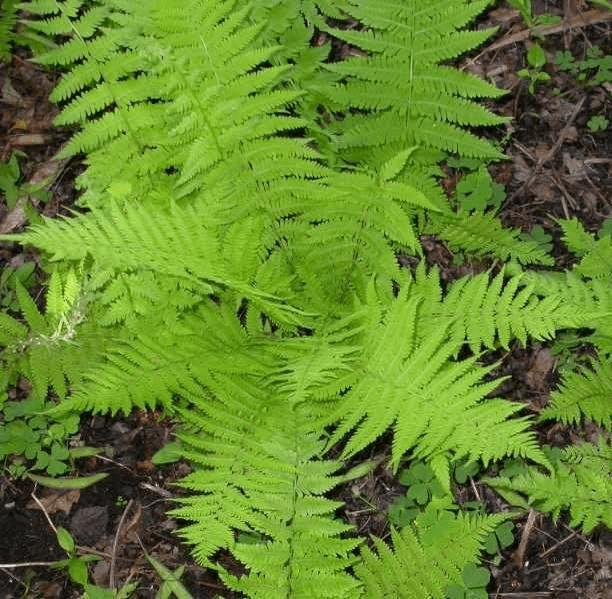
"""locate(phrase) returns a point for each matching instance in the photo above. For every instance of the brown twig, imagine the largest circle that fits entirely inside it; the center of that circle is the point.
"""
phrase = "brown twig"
(557, 545)
(111, 576)
(519, 554)
(590, 17)
(27, 564)
(527, 595)
(44, 511)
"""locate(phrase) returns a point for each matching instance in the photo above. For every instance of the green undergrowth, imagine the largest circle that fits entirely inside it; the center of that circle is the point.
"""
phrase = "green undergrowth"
(249, 196)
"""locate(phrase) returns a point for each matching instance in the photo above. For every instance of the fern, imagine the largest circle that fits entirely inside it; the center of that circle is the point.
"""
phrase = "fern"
(272, 493)
(580, 483)
(583, 394)
(50, 349)
(595, 261)
(481, 233)
(485, 312)
(240, 269)
(427, 557)
(413, 100)
(8, 19)
(407, 380)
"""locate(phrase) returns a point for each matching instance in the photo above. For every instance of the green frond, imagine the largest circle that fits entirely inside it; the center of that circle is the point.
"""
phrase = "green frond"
(11, 331)
(588, 303)
(399, 84)
(595, 254)
(407, 381)
(272, 495)
(36, 321)
(580, 483)
(485, 312)
(482, 233)
(583, 394)
(55, 347)
(426, 557)
(8, 20)
(151, 370)
(318, 367)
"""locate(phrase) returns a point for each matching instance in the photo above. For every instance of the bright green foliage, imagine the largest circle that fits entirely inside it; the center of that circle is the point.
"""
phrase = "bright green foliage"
(595, 254)
(427, 556)
(490, 312)
(43, 349)
(594, 69)
(407, 380)
(412, 99)
(8, 18)
(481, 233)
(584, 394)
(580, 482)
(248, 199)
(422, 485)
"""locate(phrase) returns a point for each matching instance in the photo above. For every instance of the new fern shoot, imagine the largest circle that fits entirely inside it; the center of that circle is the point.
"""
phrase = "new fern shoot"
(245, 200)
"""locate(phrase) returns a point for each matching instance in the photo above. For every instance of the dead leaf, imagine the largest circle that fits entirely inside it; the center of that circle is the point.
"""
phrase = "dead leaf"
(57, 501)
(540, 365)
(574, 166)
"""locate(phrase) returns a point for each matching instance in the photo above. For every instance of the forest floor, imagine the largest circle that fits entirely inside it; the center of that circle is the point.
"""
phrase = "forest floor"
(560, 166)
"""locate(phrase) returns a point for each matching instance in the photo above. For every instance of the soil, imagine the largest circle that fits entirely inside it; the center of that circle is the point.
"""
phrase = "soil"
(558, 168)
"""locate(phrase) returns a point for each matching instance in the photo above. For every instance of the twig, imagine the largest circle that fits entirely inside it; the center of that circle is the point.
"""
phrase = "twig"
(158, 490)
(590, 17)
(111, 577)
(27, 564)
(519, 554)
(527, 595)
(557, 545)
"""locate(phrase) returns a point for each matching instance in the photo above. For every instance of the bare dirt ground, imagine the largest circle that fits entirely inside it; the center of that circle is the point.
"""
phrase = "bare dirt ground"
(558, 168)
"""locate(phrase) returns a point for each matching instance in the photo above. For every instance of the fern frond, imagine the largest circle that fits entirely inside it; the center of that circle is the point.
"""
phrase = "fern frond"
(583, 394)
(401, 82)
(427, 557)
(408, 381)
(595, 255)
(485, 312)
(590, 302)
(55, 346)
(150, 370)
(580, 482)
(8, 19)
(482, 233)
(273, 494)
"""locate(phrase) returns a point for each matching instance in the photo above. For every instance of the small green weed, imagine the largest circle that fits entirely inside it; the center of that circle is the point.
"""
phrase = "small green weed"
(13, 190)
(594, 69)
(42, 441)
(536, 59)
(541, 237)
(598, 123)
(422, 486)
(475, 580)
(76, 566)
(526, 10)
(476, 190)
